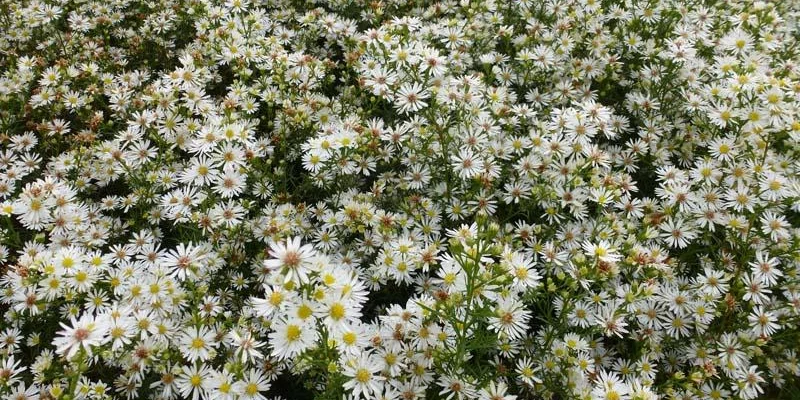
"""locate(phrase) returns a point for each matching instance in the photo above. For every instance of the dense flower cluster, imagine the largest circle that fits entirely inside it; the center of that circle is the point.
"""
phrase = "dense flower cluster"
(398, 199)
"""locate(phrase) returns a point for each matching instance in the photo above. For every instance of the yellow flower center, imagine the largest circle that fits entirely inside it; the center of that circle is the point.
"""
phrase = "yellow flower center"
(349, 338)
(363, 376)
(337, 311)
(198, 343)
(293, 332)
(275, 298)
(304, 311)
(251, 389)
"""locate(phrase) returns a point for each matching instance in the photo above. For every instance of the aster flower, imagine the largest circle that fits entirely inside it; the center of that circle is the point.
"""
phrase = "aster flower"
(467, 164)
(678, 232)
(511, 318)
(291, 259)
(411, 98)
(603, 251)
(183, 260)
(291, 337)
(762, 322)
(82, 334)
(245, 346)
(609, 319)
(456, 388)
(610, 386)
(252, 386)
(195, 382)
(196, 344)
(765, 268)
(362, 371)
(10, 370)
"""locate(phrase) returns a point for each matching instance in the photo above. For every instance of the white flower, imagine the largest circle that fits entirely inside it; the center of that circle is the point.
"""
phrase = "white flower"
(338, 312)
(602, 250)
(762, 322)
(731, 350)
(245, 345)
(677, 232)
(774, 225)
(411, 98)
(496, 391)
(510, 318)
(223, 386)
(363, 373)
(454, 387)
(85, 333)
(229, 184)
(291, 259)
(610, 386)
(183, 260)
(610, 320)
(527, 372)
(195, 381)
(467, 164)
(749, 383)
(9, 371)
(252, 386)
(765, 268)
(33, 210)
(196, 344)
(291, 337)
